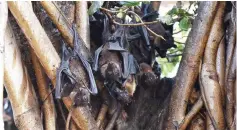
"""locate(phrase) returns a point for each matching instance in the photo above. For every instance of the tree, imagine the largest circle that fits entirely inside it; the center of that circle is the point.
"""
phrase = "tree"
(100, 65)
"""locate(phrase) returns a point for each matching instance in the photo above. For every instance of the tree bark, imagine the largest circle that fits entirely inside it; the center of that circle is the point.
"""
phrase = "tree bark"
(19, 87)
(197, 123)
(192, 113)
(189, 66)
(220, 67)
(59, 20)
(49, 58)
(44, 93)
(230, 92)
(82, 21)
(210, 87)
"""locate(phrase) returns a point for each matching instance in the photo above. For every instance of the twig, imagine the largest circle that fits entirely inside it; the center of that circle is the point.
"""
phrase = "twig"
(179, 42)
(136, 24)
(177, 32)
(174, 55)
(141, 24)
(146, 26)
(69, 118)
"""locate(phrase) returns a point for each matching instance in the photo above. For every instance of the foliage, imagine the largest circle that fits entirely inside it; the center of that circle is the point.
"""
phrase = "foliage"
(95, 6)
(185, 23)
(169, 65)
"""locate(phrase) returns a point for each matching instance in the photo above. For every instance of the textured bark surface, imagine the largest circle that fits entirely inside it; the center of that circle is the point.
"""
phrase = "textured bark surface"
(191, 114)
(35, 34)
(45, 51)
(60, 21)
(210, 87)
(231, 30)
(189, 65)
(230, 92)
(44, 93)
(220, 67)
(82, 21)
(19, 87)
(198, 123)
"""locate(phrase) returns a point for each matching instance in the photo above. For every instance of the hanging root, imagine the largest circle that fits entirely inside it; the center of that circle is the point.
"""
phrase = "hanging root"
(210, 87)
(195, 109)
(44, 93)
(48, 57)
(82, 21)
(19, 87)
(230, 92)
(220, 67)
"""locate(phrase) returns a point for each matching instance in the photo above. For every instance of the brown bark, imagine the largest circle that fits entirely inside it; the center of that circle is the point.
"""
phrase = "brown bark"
(189, 66)
(26, 19)
(209, 125)
(191, 114)
(82, 21)
(197, 123)
(220, 67)
(3, 24)
(19, 87)
(230, 45)
(44, 93)
(230, 92)
(48, 57)
(59, 20)
(210, 87)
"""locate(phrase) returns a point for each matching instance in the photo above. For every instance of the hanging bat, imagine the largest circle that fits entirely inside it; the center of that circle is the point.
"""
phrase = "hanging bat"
(64, 78)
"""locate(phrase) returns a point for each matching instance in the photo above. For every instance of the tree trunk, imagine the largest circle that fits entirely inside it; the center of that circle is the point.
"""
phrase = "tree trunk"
(189, 65)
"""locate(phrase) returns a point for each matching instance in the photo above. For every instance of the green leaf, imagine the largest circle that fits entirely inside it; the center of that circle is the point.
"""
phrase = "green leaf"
(120, 15)
(185, 24)
(167, 67)
(129, 3)
(167, 19)
(178, 12)
(173, 11)
(95, 6)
